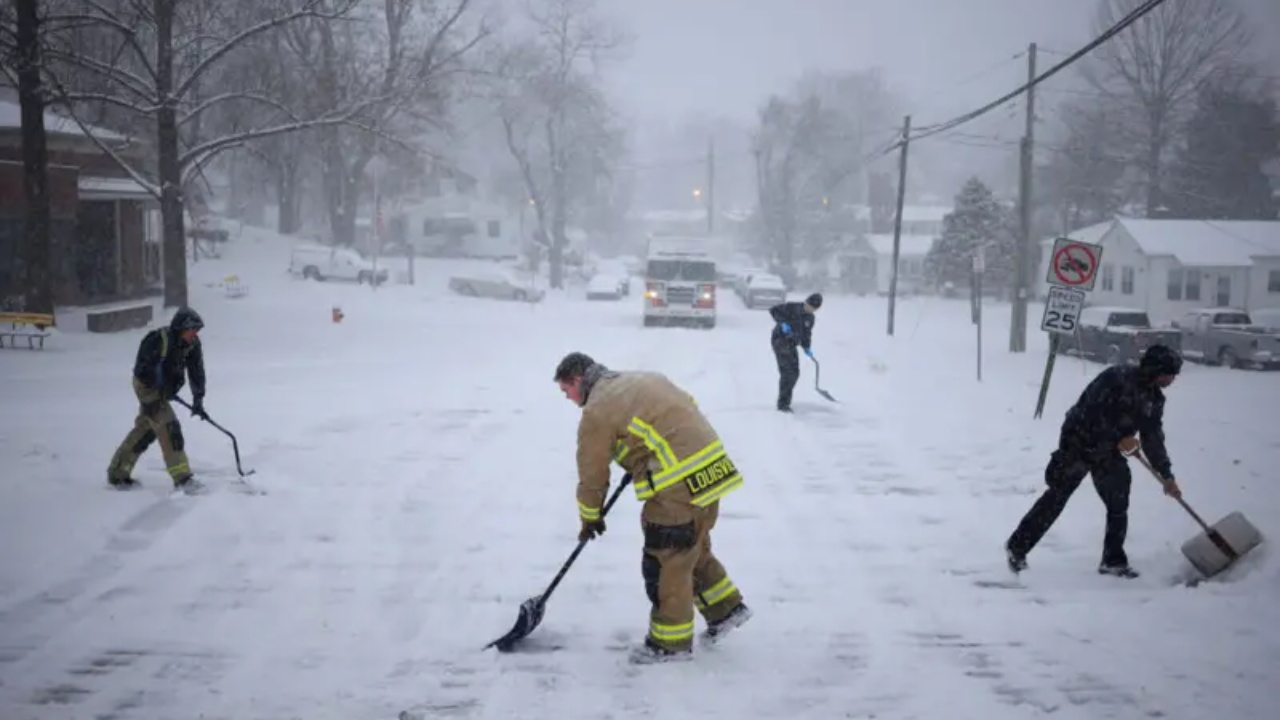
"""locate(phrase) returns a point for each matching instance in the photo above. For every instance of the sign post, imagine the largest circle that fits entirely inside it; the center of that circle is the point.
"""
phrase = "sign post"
(1073, 270)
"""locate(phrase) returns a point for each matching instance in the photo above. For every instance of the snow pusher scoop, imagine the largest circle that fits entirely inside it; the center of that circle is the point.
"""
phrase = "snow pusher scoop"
(531, 610)
(235, 448)
(817, 371)
(1219, 545)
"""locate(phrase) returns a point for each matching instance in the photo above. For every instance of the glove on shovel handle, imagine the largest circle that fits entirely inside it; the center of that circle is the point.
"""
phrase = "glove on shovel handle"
(1147, 464)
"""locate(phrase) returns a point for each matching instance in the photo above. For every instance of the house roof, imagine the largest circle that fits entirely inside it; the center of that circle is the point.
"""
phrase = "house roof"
(1211, 243)
(909, 245)
(1202, 243)
(11, 119)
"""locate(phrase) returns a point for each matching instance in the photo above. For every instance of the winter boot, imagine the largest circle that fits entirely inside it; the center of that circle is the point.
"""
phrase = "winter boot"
(124, 483)
(189, 485)
(1121, 571)
(650, 653)
(736, 618)
(1017, 561)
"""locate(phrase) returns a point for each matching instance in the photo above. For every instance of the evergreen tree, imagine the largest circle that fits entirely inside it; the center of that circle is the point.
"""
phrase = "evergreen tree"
(978, 220)
(1218, 174)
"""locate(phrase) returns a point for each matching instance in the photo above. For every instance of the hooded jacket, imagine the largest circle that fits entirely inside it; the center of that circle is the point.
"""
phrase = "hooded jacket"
(165, 361)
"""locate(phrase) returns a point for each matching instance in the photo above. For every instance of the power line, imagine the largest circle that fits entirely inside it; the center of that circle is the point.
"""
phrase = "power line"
(1114, 30)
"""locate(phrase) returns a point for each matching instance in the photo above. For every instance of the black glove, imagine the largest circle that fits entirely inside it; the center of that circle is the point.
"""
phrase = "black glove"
(590, 529)
(197, 409)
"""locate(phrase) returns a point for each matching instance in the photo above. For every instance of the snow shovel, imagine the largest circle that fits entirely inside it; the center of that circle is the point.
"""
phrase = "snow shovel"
(531, 610)
(1220, 545)
(235, 446)
(817, 371)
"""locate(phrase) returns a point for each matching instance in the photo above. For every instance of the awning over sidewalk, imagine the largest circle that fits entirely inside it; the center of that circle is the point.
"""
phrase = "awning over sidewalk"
(100, 188)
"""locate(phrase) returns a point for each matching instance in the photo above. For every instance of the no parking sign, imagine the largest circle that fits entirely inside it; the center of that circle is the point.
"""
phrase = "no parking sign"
(1074, 264)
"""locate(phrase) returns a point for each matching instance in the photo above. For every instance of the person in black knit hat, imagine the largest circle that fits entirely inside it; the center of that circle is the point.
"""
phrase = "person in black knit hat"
(793, 328)
(1122, 402)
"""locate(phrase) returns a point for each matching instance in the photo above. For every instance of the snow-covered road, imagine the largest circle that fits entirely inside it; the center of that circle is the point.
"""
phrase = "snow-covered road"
(419, 464)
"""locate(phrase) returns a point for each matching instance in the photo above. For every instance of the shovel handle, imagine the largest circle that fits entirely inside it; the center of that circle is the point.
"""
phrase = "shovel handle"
(1194, 515)
(582, 544)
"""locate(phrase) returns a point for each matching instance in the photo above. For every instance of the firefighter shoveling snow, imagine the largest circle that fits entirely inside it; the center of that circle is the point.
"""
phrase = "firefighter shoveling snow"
(423, 479)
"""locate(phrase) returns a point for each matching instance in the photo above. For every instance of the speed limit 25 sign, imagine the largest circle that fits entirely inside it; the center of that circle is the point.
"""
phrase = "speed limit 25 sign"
(1062, 310)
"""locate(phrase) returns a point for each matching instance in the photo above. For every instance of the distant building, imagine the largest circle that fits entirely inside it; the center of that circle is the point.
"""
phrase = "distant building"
(105, 225)
(1168, 267)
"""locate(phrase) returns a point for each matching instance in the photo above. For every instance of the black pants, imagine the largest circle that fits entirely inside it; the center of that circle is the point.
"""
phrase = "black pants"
(788, 371)
(1066, 470)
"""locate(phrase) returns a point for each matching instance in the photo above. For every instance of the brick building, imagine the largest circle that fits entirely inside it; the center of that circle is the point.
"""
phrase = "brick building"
(105, 247)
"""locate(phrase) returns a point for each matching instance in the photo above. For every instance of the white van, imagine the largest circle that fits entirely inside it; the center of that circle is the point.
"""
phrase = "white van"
(315, 262)
(679, 284)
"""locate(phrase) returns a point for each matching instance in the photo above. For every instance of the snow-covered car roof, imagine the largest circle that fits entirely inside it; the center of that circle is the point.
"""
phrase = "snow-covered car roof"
(604, 281)
(765, 280)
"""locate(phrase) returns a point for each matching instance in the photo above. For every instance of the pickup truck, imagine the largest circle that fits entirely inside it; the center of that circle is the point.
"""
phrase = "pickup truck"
(1224, 336)
(1115, 335)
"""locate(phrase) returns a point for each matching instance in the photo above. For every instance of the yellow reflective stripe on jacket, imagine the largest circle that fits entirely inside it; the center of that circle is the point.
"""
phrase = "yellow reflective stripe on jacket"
(678, 633)
(589, 514)
(164, 343)
(717, 492)
(715, 483)
(654, 441)
(620, 451)
(714, 594)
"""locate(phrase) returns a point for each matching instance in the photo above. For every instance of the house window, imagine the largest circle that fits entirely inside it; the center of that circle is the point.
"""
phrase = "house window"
(1108, 278)
(1126, 280)
(1176, 280)
(1273, 281)
(495, 228)
(1193, 285)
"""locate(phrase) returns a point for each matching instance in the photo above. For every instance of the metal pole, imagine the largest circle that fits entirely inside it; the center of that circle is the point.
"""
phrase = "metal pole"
(897, 219)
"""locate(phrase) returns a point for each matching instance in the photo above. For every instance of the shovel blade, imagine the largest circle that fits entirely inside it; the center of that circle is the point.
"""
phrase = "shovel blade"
(530, 617)
(1226, 542)
(826, 394)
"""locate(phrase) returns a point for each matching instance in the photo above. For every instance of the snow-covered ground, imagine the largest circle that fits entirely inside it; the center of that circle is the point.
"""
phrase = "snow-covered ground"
(419, 463)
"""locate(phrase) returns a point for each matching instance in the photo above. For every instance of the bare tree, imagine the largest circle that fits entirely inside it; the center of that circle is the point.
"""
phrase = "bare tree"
(33, 275)
(1083, 180)
(555, 117)
(1157, 66)
(160, 56)
(396, 60)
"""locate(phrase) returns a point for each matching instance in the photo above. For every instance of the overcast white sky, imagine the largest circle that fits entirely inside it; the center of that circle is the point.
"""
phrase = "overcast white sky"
(726, 56)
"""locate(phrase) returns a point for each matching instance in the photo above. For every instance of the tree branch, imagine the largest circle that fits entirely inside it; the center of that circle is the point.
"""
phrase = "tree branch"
(307, 11)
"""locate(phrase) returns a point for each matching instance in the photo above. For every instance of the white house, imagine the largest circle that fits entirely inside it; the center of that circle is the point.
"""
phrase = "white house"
(1168, 267)
(912, 250)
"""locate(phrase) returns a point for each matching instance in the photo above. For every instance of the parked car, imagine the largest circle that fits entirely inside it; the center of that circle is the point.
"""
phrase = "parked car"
(496, 283)
(1115, 335)
(743, 279)
(316, 262)
(763, 290)
(617, 270)
(1224, 336)
(607, 286)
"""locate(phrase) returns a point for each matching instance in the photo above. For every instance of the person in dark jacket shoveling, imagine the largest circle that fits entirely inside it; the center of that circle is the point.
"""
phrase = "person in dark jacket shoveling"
(1120, 405)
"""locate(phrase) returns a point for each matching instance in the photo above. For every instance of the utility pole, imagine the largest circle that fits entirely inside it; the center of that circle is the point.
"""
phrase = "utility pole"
(897, 218)
(711, 186)
(1022, 290)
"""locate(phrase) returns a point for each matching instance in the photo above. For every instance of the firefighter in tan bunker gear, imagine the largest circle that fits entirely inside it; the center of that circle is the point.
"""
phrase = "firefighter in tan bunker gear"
(680, 471)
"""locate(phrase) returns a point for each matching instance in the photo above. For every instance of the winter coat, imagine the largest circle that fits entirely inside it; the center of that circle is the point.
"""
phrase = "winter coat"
(654, 429)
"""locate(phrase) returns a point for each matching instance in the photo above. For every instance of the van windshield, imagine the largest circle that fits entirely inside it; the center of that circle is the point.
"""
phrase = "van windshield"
(687, 270)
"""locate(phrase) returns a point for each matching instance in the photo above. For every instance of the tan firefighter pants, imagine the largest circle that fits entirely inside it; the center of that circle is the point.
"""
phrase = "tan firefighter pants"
(681, 573)
(155, 421)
